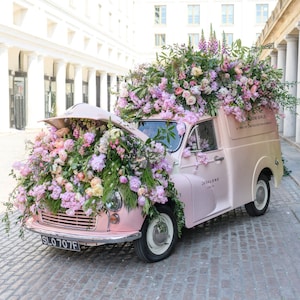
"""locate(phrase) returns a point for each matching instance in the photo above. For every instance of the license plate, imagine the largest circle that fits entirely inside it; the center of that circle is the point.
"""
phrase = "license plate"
(60, 243)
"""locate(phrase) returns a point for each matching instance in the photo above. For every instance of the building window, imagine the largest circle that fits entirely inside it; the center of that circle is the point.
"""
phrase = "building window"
(160, 14)
(110, 21)
(99, 14)
(51, 27)
(119, 28)
(72, 3)
(194, 40)
(160, 40)
(229, 39)
(19, 14)
(87, 9)
(71, 34)
(262, 13)
(227, 14)
(193, 14)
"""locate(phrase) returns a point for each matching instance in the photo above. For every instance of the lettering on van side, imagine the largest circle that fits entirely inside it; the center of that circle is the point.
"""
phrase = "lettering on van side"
(210, 182)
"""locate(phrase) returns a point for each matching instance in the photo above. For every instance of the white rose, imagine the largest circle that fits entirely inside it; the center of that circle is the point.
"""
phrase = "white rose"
(191, 100)
(186, 94)
(204, 82)
(115, 133)
(207, 90)
(196, 71)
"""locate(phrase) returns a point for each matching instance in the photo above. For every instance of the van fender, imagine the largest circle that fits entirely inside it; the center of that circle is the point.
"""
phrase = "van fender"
(271, 166)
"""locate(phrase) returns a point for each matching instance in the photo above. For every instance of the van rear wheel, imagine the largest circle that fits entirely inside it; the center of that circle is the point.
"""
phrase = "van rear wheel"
(260, 204)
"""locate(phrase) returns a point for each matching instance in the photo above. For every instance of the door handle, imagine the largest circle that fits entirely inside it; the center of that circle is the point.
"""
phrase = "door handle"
(218, 158)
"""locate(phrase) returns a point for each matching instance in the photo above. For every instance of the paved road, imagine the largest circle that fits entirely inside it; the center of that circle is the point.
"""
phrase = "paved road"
(231, 257)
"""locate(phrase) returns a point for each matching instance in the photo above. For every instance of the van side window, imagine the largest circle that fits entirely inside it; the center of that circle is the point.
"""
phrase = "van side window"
(202, 137)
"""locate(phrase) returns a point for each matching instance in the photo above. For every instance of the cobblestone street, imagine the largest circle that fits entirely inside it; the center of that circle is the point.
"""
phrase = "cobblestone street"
(231, 257)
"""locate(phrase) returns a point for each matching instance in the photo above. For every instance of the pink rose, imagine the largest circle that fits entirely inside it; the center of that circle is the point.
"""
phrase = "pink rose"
(69, 187)
(95, 181)
(253, 89)
(186, 94)
(80, 176)
(178, 91)
(62, 155)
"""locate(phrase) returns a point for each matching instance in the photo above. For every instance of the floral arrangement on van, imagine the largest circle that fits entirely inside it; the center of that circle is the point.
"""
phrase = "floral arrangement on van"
(184, 84)
(78, 168)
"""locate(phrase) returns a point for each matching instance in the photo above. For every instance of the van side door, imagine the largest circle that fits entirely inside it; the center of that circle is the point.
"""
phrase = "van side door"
(204, 159)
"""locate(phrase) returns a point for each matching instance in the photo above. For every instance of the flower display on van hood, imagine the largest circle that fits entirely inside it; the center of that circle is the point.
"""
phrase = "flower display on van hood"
(184, 84)
(77, 168)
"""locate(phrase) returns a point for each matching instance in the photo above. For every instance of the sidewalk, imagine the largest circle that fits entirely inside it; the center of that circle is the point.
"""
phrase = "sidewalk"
(12, 149)
(291, 155)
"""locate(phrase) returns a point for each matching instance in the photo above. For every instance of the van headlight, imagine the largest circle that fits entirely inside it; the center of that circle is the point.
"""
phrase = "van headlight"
(114, 201)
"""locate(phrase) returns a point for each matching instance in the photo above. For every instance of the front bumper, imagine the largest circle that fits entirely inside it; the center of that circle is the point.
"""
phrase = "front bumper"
(87, 238)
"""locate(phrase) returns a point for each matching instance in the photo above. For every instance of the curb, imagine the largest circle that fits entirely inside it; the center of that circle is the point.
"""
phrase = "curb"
(290, 141)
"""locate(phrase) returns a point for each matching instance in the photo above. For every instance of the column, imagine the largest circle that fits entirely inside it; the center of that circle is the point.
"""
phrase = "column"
(297, 138)
(78, 84)
(113, 97)
(35, 90)
(60, 87)
(273, 55)
(103, 90)
(92, 86)
(289, 123)
(4, 88)
(281, 64)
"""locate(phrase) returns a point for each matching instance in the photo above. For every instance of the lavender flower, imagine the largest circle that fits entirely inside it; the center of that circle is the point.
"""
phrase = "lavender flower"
(134, 183)
(56, 190)
(97, 162)
(89, 138)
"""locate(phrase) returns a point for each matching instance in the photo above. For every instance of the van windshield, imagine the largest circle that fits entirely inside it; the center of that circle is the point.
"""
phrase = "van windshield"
(151, 128)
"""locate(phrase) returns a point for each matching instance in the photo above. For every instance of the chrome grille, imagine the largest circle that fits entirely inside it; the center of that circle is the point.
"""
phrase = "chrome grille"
(80, 221)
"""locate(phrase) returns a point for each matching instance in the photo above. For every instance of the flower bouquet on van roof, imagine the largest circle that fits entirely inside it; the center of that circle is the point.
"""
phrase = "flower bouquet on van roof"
(183, 84)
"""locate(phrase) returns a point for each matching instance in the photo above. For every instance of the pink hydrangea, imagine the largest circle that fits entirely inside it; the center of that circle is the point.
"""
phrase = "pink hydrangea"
(97, 162)
(134, 183)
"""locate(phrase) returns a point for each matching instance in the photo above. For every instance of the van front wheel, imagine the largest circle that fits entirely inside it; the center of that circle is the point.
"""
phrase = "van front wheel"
(159, 236)
(261, 202)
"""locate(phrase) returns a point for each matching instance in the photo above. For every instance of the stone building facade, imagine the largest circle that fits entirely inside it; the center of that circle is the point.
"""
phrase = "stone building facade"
(57, 53)
(282, 35)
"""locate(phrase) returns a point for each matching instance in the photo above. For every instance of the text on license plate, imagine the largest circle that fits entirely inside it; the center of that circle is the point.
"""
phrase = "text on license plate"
(60, 243)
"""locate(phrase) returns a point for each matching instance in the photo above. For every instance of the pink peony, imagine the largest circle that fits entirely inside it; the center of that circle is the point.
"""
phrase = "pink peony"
(123, 179)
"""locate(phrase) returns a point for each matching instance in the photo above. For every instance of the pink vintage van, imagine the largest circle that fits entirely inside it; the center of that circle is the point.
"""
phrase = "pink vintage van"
(218, 164)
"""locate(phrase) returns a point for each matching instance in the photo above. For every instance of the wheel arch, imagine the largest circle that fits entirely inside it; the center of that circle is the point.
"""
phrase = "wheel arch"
(264, 166)
(145, 247)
